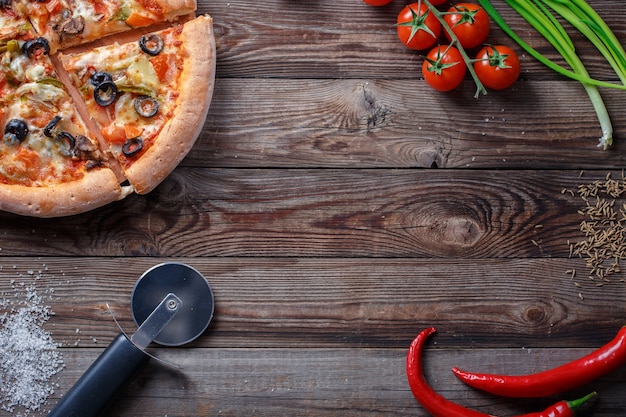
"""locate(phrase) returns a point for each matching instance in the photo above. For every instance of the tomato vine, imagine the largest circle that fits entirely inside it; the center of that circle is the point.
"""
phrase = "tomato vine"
(480, 88)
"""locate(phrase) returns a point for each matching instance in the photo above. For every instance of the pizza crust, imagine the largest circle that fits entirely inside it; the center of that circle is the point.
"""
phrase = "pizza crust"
(196, 90)
(177, 7)
(95, 189)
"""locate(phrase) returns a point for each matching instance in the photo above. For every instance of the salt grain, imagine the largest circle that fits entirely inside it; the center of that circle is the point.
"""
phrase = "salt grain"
(28, 354)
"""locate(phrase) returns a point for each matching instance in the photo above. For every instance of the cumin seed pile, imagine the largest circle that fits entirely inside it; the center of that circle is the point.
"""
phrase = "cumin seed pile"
(604, 228)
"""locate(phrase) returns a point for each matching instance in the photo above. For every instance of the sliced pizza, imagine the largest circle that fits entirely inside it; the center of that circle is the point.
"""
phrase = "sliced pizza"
(75, 134)
(50, 164)
(67, 23)
(149, 98)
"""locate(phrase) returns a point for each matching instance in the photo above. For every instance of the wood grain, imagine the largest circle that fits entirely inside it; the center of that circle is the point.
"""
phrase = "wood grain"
(337, 206)
(322, 382)
(384, 123)
(326, 213)
(350, 303)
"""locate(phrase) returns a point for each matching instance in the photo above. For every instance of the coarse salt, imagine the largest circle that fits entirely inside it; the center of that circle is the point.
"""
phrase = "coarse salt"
(28, 355)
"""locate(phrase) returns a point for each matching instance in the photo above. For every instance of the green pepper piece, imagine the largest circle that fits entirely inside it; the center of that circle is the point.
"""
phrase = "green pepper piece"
(51, 81)
(122, 14)
(137, 90)
(13, 46)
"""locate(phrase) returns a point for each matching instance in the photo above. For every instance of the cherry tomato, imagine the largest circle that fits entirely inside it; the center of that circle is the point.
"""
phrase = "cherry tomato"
(497, 67)
(469, 22)
(376, 2)
(417, 27)
(444, 68)
(437, 2)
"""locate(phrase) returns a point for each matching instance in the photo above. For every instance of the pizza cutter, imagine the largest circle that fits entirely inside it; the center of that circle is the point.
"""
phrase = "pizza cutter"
(172, 304)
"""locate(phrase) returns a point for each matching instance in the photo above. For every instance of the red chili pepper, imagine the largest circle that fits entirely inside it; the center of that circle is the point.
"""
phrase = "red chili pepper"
(438, 406)
(555, 381)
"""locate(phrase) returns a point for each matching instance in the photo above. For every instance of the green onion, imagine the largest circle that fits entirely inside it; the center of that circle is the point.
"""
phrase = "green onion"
(580, 15)
(542, 20)
(538, 16)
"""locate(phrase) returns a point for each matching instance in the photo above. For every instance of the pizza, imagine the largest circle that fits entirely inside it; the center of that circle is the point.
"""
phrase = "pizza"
(135, 95)
(49, 160)
(66, 23)
(87, 121)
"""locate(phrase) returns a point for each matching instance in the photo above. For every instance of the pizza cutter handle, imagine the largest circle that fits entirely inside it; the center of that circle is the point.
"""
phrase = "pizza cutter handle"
(105, 378)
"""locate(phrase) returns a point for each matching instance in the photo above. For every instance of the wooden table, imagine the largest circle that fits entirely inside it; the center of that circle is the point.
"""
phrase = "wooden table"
(338, 206)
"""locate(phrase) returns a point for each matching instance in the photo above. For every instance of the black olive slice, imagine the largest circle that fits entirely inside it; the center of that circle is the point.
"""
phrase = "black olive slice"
(50, 126)
(5, 3)
(69, 139)
(105, 93)
(30, 47)
(99, 77)
(152, 44)
(146, 106)
(132, 146)
(15, 131)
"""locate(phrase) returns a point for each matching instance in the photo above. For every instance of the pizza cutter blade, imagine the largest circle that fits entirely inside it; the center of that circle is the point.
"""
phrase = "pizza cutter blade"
(173, 304)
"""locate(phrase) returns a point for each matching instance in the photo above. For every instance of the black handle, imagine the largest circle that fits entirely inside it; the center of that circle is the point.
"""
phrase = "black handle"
(105, 378)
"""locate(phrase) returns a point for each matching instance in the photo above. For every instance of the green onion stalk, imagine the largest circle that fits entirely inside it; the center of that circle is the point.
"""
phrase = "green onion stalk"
(584, 18)
(587, 21)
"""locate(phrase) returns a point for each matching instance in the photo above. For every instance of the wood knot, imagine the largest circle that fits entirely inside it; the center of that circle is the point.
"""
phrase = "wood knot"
(375, 114)
(536, 315)
(459, 231)
(428, 158)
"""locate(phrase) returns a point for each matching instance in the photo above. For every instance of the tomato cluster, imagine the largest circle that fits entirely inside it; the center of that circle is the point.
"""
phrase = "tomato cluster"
(384, 2)
(497, 67)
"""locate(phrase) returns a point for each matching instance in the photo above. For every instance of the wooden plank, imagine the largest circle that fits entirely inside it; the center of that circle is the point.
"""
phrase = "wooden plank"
(324, 213)
(348, 303)
(405, 124)
(324, 382)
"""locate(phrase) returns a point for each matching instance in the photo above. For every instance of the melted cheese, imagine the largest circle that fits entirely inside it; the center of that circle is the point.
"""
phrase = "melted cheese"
(41, 92)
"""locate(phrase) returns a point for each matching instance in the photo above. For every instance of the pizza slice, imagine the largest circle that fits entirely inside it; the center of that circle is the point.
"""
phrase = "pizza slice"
(13, 25)
(67, 23)
(148, 98)
(50, 165)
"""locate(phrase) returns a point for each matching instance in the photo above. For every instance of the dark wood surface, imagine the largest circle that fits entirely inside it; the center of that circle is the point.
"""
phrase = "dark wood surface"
(338, 206)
